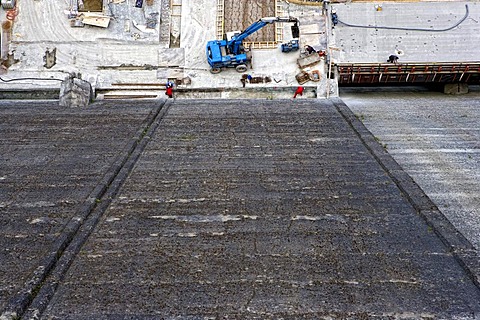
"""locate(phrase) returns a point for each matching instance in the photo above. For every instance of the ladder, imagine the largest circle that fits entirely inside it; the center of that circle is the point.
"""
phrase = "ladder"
(278, 26)
(220, 19)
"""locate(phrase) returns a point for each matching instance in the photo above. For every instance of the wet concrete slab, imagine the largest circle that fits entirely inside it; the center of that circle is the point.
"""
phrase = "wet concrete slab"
(53, 159)
(258, 209)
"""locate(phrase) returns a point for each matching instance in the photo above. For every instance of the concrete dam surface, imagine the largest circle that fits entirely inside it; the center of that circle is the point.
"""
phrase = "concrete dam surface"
(435, 138)
(233, 200)
(205, 209)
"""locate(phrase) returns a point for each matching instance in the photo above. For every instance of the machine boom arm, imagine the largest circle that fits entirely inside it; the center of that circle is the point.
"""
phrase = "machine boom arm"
(235, 43)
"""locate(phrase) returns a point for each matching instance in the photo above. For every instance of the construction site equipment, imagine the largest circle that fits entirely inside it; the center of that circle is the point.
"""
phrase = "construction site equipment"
(95, 19)
(8, 4)
(302, 77)
(334, 17)
(77, 23)
(309, 60)
(292, 45)
(230, 51)
(12, 14)
(315, 75)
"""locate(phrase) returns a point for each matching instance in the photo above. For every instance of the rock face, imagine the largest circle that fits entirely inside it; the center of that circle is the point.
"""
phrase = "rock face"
(75, 92)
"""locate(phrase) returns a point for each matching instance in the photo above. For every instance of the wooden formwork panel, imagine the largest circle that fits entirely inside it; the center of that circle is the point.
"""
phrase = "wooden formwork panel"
(239, 14)
(92, 6)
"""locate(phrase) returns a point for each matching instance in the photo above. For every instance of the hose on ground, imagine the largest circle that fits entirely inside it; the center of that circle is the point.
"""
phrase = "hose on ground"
(20, 79)
(406, 28)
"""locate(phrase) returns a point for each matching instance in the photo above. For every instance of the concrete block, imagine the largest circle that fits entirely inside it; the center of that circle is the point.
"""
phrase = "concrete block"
(455, 88)
(75, 92)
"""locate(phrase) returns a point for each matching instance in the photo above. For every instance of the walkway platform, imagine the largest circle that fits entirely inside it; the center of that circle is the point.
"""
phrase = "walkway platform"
(408, 73)
(248, 209)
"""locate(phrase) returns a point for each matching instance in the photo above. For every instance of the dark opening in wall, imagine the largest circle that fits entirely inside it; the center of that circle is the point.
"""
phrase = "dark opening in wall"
(92, 6)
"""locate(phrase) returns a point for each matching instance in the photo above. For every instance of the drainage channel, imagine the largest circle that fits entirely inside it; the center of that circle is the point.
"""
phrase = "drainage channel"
(37, 292)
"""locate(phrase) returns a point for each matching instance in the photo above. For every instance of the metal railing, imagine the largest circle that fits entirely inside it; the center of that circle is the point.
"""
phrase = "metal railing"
(434, 72)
